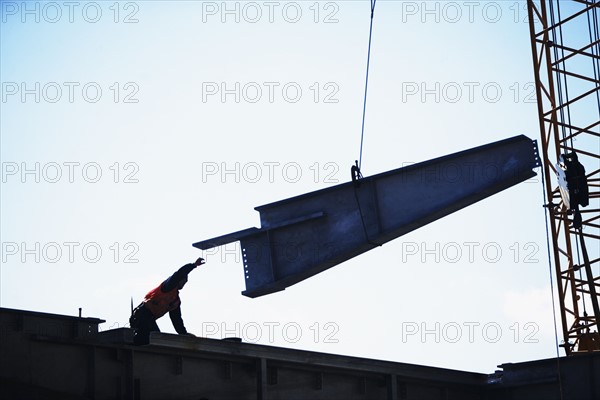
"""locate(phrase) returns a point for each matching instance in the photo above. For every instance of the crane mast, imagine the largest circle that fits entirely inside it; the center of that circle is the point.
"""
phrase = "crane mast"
(565, 43)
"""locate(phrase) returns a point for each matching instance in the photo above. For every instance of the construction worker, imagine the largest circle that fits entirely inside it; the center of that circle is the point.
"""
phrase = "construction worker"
(159, 301)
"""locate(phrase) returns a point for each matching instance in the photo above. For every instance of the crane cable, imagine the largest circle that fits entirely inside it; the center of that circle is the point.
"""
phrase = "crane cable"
(362, 133)
(559, 77)
(356, 174)
(594, 37)
(546, 217)
(559, 83)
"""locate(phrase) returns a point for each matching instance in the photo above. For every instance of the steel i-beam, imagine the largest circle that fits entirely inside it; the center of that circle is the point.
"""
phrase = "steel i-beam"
(305, 235)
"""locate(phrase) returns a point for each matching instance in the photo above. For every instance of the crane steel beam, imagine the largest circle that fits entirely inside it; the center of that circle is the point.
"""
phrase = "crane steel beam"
(305, 235)
(566, 61)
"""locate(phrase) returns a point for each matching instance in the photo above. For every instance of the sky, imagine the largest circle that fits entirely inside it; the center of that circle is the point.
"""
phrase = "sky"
(130, 130)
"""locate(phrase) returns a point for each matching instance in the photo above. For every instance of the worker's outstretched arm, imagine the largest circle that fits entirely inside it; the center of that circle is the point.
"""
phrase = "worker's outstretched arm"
(171, 282)
(177, 321)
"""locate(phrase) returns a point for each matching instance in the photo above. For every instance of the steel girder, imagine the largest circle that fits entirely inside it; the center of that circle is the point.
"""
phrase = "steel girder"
(305, 235)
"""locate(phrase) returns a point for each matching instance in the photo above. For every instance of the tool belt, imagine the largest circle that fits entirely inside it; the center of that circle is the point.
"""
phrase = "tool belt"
(139, 313)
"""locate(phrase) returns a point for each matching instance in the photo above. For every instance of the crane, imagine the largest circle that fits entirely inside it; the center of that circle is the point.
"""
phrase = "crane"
(565, 44)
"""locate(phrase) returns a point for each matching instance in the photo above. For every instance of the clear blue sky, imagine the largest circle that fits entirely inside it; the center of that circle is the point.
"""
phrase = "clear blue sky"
(131, 130)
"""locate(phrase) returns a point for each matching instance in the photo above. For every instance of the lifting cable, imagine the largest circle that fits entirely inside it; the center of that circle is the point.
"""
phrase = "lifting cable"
(562, 118)
(362, 133)
(546, 217)
(356, 174)
(559, 77)
(594, 37)
(562, 66)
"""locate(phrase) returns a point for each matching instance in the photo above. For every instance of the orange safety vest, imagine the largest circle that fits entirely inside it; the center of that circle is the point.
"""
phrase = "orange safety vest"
(159, 303)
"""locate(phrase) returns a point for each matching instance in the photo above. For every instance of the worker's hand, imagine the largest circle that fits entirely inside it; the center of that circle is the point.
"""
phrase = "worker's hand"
(199, 261)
